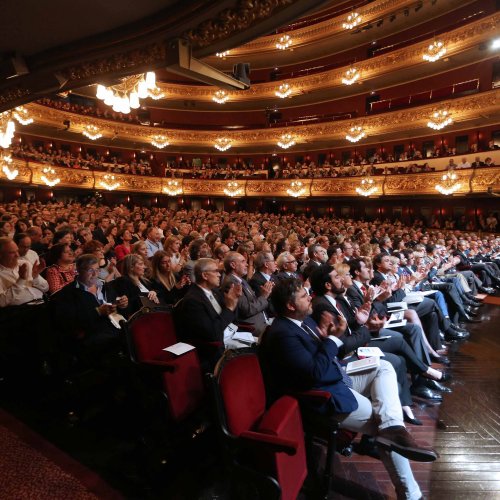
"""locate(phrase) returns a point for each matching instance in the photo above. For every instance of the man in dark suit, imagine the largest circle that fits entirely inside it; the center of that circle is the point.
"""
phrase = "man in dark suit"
(287, 266)
(297, 354)
(265, 267)
(486, 274)
(251, 309)
(204, 313)
(99, 233)
(317, 256)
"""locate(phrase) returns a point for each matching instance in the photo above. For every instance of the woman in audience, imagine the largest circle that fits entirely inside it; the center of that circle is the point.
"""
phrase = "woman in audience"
(62, 271)
(134, 285)
(107, 268)
(169, 289)
(122, 250)
(171, 246)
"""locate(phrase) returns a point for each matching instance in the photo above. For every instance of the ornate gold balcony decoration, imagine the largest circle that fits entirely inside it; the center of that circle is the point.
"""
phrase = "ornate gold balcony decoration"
(6, 162)
(355, 134)
(173, 187)
(284, 42)
(367, 187)
(350, 76)
(156, 93)
(222, 55)
(222, 143)
(296, 189)
(109, 182)
(439, 120)
(93, 132)
(284, 91)
(352, 21)
(449, 183)
(49, 176)
(233, 189)
(220, 97)
(286, 141)
(8, 126)
(159, 141)
(434, 51)
(126, 95)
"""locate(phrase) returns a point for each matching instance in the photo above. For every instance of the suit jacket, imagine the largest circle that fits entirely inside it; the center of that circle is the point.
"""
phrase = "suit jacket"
(465, 263)
(309, 268)
(354, 336)
(292, 360)
(256, 281)
(99, 235)
(396, 296)
(282, 275)
(357, 299)
(251, 309)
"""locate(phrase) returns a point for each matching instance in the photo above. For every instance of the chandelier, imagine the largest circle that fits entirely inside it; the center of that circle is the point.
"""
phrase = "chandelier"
(109, 182)
(355, 134)
(156, 93)
(222, 143)
(352, 21)
(449, 183)
(286, 141)
(6, 161)
(173, 188)
(220, 97)
(439, 120)
(93, 132)
(367, 187)
(222, 55)
(284, 42)
(296, 189)
(284, 90)
(125, 95)
(233, 189)
(159, 141)
(8, 126)
(434, 51)
(350, 76)
(49, 177)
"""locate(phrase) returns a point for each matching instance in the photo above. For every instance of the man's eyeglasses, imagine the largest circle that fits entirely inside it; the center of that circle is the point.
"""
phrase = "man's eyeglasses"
(91, 270)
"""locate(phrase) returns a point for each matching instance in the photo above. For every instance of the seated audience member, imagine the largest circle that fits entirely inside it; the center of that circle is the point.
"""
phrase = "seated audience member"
(38, 245)
(251, 309)
(125, 247)
(317, 255)
(153, 241)
(107, 267)
(265, 267)
(172, 246)
(23, 242)
(204, 313)
(297, 354)
(81, 310)
(198, 249)
(62, 271)
(134, 285)
(287, 266)
(168, 287)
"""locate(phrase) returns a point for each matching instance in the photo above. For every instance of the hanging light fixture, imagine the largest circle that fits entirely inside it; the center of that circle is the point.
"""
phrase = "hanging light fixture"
(284, 42)
(222, 143)
(49, 177)
(434, 51)
(296, 189)
(159, 141)
(220, 97)
(439, 120)
(6, 162)
(350, 76)
(449, 183)
(355, 134)
(125, 95)
(109, 182)
(156, 93)
(352, 21)
(367, 187)
(173, 187)
(93, 132)
(284, 90)
(222, 55)
(286, 141)
(8, 126)
(233, 189)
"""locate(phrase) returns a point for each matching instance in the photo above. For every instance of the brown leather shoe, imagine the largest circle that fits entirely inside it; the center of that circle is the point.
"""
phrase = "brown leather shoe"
(398, 439)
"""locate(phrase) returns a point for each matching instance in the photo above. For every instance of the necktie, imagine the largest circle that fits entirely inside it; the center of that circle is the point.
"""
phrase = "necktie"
(345, 378)
(363, 289)
(215, 304)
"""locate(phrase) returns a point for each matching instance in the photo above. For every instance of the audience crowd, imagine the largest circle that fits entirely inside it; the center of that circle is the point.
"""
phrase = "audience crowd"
(311, 290)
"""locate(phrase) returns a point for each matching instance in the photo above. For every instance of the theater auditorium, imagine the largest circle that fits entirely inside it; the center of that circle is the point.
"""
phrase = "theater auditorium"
(250, 249)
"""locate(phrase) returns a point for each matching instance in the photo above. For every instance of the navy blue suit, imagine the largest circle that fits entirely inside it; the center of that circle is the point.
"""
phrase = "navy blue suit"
(292, 360)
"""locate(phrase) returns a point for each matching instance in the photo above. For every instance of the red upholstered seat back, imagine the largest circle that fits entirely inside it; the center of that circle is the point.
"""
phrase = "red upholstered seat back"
(151, 333)
(242, 390)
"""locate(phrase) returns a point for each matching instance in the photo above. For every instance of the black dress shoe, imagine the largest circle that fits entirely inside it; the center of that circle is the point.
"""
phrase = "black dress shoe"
(471, 311)
(424, 392)
(451, 334)
(409, 420)
(458, 328)
(466, 318)
(443, 360)
(368, 446)
(436, 385)
(487, 290)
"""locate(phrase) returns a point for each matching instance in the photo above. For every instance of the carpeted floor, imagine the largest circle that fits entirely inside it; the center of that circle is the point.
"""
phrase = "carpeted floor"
(31, 467)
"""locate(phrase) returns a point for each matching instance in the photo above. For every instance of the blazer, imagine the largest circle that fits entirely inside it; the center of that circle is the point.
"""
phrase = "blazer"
(282, 275)
(396, 296)
(309, 268)
(256, 281)
(292, 360)
(356, 298)
(251, 309)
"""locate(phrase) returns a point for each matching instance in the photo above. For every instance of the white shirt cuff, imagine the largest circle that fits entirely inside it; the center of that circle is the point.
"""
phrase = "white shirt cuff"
(336, 340)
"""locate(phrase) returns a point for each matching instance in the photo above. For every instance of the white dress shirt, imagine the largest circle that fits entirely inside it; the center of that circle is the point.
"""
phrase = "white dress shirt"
(15, 291)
